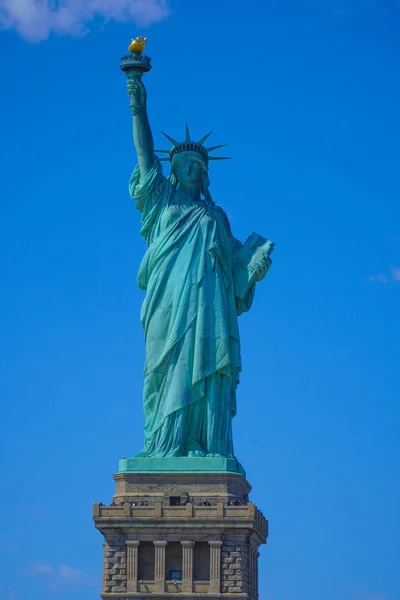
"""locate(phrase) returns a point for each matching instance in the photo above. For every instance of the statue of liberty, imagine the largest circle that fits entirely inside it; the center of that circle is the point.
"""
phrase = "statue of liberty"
(198, 279)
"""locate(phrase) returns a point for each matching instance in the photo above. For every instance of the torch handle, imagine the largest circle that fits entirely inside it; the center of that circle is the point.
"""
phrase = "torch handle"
(134, 75)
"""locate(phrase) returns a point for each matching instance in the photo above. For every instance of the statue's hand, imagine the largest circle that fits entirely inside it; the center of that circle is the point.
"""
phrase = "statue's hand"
(262, 267)
(137, 96)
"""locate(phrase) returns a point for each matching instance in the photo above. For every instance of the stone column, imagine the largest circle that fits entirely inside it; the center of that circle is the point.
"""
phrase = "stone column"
(251, 572)
(132, 565)
(159, 566)
(187, 566)
(105, 587)
(256, 575)
(215, 567)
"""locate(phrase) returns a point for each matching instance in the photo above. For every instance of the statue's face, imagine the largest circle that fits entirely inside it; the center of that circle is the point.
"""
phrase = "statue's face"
(188, 171)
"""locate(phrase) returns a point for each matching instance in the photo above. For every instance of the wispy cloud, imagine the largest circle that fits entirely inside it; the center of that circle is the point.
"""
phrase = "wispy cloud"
(379, 277)
(9, 545)
(35, 20)
(32, 512)
(363, 594)
(356, 592)
(7, 595)
(59, 577)
(40, 569)
(395, 273)
(392, 275)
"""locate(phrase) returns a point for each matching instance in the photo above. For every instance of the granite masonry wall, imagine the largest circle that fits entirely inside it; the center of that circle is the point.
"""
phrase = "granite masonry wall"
(235, 566)
(114, 574)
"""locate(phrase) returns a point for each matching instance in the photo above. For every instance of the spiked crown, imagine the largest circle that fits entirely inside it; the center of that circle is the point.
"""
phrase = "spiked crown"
(190, 145)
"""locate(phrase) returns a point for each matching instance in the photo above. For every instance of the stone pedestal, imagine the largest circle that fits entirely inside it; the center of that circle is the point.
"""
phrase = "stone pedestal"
(177, 535)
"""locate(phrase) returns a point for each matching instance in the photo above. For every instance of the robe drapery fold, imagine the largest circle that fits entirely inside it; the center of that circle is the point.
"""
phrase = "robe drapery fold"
(189, 318)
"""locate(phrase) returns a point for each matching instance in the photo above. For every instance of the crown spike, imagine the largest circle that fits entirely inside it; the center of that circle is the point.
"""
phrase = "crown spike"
(187, 134)
(219, 158)
(170, 139)
(215, 147)
(163, 151)
(203, 139)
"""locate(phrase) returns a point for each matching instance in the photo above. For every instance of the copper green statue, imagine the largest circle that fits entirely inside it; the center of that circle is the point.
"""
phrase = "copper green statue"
(198, 279)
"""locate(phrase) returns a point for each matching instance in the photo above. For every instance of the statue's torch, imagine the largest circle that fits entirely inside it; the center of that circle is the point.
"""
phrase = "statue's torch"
(136, 63)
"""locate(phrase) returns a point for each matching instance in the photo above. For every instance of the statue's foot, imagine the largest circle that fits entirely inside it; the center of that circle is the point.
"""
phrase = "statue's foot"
(196, 453)
(214, 455)
(194, 450)
(141, 455)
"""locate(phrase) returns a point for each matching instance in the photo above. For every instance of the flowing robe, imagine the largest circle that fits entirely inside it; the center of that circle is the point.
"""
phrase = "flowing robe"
(189, 317)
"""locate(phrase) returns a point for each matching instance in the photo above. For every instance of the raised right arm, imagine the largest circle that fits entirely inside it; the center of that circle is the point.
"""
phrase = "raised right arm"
(142, 134)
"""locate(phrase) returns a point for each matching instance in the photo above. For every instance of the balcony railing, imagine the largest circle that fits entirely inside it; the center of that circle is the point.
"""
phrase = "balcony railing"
(249, 512)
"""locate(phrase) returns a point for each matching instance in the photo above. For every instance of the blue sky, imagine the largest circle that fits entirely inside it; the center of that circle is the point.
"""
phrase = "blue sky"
(307, 96)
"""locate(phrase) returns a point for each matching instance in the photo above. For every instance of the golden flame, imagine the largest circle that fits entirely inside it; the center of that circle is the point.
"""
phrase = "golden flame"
(138, 44)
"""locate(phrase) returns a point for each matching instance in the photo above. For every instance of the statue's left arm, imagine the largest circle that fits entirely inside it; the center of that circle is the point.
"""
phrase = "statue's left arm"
(244, 301)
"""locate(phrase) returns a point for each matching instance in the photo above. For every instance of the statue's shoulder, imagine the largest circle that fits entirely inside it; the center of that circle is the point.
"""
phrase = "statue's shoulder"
(222, 215)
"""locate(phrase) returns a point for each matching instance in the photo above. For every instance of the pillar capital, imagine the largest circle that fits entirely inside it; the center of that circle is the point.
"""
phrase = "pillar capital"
(215, 543)
(187, 543)
(160, 543)
(132, 543)
(253, 544)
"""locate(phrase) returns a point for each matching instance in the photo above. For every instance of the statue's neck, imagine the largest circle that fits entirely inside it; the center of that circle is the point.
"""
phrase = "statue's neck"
(189, 193)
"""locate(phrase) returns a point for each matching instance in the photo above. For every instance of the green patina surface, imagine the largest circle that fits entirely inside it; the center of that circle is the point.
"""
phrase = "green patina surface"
(181, 464)
(198, 279)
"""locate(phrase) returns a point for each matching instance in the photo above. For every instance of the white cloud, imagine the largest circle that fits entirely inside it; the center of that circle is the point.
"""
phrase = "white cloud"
(9, 545)
(364, 594)
(5, 595)
(380, 277)
(395, 273)
(62, 576)
(35, 20)
(40, 569)
(74, 576)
